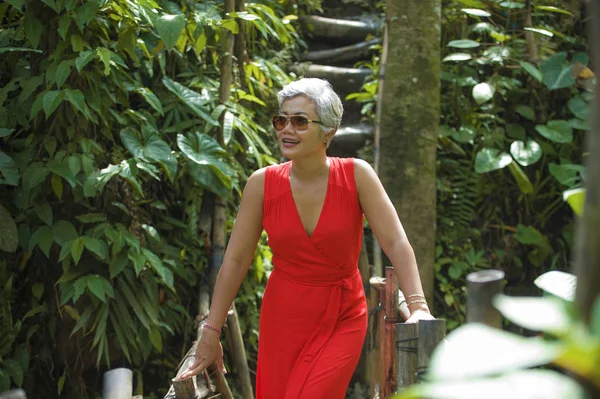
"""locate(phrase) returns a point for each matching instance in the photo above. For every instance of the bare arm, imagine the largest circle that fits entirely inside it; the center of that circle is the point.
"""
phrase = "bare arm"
(388, 230)
(240, 249)
(238, 258)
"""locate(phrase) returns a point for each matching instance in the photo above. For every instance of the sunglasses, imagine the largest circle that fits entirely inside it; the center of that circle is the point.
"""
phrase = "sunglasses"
(299, 122)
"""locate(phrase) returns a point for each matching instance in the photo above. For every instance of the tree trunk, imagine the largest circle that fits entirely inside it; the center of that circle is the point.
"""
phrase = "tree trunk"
(587, 250)
(409, 123)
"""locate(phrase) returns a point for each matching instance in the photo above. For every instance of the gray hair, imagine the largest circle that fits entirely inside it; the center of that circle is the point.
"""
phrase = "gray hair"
(328, 105)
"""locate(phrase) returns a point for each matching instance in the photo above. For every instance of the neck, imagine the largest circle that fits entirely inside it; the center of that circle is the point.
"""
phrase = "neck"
(310, 166)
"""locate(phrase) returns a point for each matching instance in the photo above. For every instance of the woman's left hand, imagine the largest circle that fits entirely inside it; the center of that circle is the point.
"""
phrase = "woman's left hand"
(419, 315)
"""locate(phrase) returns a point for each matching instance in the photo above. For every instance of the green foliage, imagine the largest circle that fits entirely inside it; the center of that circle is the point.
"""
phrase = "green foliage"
(510, 145)
(108, 113)
(476, 358)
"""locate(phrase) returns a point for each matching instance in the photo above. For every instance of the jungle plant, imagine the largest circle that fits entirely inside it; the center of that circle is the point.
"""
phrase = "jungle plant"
(477, 358)
(107, 116)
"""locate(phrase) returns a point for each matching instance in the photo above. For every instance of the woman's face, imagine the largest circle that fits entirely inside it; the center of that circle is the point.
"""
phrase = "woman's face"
(300, 141)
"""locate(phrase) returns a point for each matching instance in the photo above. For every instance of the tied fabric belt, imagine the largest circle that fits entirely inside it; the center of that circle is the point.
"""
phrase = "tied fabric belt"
(317, 341)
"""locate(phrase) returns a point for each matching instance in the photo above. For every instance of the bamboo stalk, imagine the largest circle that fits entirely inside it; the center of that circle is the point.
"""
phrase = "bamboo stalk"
(239, 354)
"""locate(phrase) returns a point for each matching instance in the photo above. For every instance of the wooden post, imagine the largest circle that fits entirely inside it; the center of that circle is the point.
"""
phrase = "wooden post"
(13, 394)
(184, 389)
(388, 344)
(362, 369)
(374, 335)
(117, 384)
(406, 347)
(431, 333)
(482, 286)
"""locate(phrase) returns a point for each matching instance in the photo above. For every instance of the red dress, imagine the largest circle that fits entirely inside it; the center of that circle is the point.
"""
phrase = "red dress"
(314, 314)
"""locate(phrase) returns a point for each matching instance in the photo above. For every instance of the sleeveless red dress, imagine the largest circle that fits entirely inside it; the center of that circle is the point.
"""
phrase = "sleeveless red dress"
(314, 314)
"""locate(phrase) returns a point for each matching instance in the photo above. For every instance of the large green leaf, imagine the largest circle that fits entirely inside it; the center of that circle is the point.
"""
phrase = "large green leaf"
(151, 99)
(85, 14)
(559, 131)
(578, 106)
(77, 249)
(559, 284)
(62, 72)
(206, 177)
(457, 57)
(84, 58)
(150, 148)
(464, 43)
(576, 199)
(204, 150)
(63, 231)
(100, 287)
(9, 236)
(526, 153)
(546, 314)
(556, 73)
(44, 212)
(52, 100)
(169, 28)
(476, 12)
(96, 246)
(33, 29)
(567, 174)
(525, 111)
(521, 178)
(63, 25)
(533, 71)
(489, 159)
(190, 98)
(227, 127)
(521, 384)
(14, 370)
(512, 4)
(9, 174)
(476, 350)
(483, 92)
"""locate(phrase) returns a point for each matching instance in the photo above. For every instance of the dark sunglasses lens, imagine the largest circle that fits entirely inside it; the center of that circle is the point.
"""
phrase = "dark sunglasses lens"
(299, 121)
(279, 122)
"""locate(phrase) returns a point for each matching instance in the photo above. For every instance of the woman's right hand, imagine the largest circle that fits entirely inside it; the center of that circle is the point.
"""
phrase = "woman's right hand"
(208, 351)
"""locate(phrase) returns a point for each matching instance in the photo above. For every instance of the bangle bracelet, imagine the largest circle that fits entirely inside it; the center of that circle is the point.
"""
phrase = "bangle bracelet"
(417, 295)
(417, 301)
(208, 326)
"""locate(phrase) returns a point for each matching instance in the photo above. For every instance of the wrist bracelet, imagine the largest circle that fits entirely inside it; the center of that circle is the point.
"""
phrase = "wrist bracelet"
(208, 326)
(417, 301)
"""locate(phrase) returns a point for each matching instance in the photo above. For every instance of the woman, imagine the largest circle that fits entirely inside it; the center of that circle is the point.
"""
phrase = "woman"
(314, 316)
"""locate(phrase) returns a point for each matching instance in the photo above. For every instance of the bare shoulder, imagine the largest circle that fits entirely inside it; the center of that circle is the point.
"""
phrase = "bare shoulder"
(364, 175)
(256, 184)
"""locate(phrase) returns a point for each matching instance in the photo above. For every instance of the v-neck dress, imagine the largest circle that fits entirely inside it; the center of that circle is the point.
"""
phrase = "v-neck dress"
(314, 314)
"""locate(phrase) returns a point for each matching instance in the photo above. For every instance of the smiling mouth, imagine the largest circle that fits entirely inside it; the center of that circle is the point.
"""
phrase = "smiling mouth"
(289, 141)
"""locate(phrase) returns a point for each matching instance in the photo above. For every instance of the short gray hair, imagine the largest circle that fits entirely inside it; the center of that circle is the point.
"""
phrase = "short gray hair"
(328, 105)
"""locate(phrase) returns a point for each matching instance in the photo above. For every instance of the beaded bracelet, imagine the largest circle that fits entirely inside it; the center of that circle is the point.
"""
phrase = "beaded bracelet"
(416, 301)
(208, 326)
